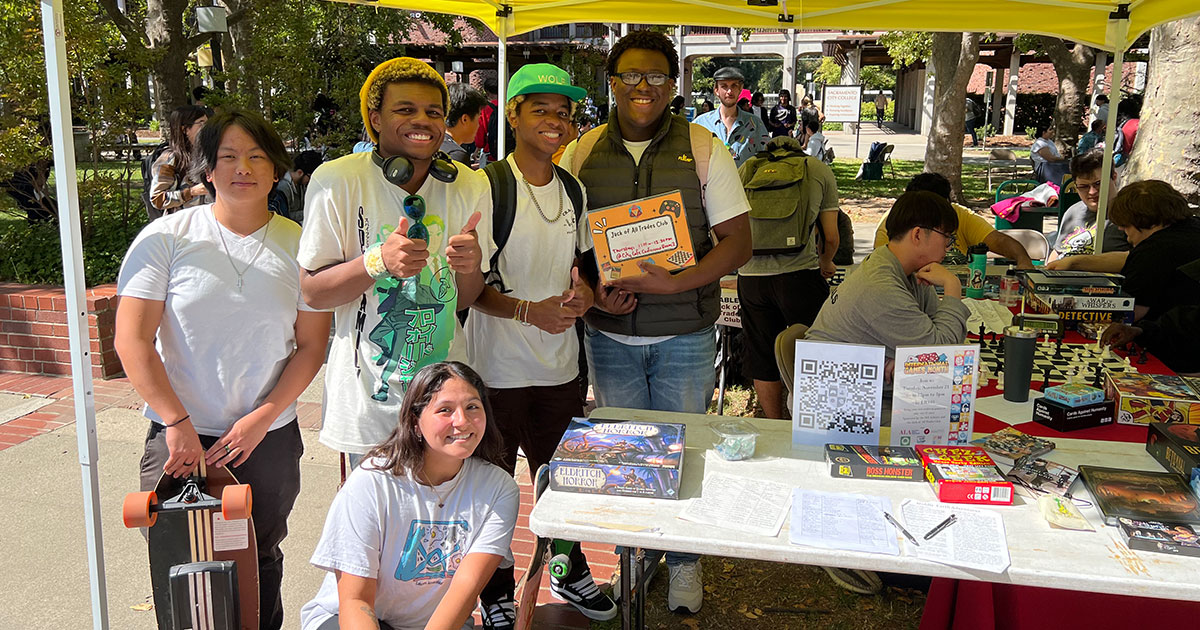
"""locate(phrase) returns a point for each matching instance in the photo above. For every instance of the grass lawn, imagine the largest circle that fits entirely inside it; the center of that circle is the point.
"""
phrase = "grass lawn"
(974, 181)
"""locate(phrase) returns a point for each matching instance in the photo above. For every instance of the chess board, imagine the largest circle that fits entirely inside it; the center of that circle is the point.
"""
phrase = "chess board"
(1074, 356)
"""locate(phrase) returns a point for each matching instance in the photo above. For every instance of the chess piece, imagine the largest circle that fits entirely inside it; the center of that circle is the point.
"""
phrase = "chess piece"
(1096, 379)
(1045, 378)
(982, 331)
(1058, 349)
(1000, 382)
(1142, 357)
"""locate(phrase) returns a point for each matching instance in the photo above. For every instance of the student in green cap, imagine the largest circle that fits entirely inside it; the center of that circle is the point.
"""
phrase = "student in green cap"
(521, 337)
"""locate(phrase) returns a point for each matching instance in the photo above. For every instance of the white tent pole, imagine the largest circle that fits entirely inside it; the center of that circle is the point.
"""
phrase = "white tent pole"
(72, 253)
(1121, 27)
(502, 81)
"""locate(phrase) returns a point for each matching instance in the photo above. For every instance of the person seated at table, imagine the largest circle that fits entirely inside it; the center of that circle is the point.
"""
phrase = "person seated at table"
(1077, 229)
(890, 299)
(418, 528)
(1048, 164)
(1165, 235)
(972, 228)
(1171, 336)
(1092, 139)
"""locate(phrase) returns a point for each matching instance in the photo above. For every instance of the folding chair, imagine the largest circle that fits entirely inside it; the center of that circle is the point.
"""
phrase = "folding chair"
(1035, 243)
(785, 357)
(887, 158)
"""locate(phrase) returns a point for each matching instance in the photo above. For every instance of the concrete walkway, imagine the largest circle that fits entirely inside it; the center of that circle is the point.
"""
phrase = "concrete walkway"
(44, 569)
(910, 145)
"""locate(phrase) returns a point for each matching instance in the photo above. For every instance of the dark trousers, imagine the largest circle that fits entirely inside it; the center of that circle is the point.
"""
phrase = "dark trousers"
(769, 305)
(273, 472)
(533, 418)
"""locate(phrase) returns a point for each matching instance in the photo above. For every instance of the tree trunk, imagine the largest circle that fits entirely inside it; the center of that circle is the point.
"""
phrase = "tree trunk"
(1073, 67)
(164, 30)
(243, 79)
(953, 59)
(1167, 146)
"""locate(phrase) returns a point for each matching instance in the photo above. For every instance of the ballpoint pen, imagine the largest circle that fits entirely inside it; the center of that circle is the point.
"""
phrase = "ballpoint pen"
(941, 526)
(900, 527)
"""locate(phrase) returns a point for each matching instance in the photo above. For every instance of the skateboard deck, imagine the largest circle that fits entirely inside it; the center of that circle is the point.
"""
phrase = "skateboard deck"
(530, 583)
(203, 554)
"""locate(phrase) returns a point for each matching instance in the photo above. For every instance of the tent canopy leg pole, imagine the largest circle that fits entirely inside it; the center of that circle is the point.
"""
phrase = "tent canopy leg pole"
(1110, 132)
(502, 89)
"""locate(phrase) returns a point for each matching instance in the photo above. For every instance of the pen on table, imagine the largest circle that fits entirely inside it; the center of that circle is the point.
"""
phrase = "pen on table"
(900, 527)
(941, 526)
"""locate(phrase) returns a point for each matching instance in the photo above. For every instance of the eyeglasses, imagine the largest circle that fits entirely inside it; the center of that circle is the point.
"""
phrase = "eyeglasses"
(951, 239)
(414, 208)
(652, 78)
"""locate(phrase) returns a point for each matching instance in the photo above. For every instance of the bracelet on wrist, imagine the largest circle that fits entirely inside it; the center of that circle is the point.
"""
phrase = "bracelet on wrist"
(185, 418)
(373, 262)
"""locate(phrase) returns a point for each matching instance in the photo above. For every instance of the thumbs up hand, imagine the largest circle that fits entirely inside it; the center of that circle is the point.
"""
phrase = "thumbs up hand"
(404, 257)
(462, 251)
(579, 298)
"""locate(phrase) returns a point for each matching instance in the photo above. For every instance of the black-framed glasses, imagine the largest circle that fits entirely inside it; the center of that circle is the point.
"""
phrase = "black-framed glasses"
(414, 208)
(951, 238)
(634, 78)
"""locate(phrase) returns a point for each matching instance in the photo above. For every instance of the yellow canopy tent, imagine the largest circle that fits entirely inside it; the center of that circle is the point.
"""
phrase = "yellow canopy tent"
(1104, 24)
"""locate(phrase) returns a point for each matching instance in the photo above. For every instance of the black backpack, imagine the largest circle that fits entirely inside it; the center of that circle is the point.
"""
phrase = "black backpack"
(504, 206)
(148, 177)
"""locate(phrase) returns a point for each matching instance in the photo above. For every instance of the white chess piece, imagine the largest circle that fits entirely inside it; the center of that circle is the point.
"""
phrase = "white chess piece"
(1000, 382)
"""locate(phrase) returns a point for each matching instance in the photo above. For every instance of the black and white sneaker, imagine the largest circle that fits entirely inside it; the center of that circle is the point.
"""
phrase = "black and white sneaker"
(500, 614)
(583, 594)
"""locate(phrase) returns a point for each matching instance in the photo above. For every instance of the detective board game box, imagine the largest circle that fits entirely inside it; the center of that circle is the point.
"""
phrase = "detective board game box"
(1140, 495)
(636, 459)
(1008, 445)
(964, 474)
(874, 462)
(1161, 537)
(1072, 317)
(1060, 417)
(1175, 446)
(1145, 398)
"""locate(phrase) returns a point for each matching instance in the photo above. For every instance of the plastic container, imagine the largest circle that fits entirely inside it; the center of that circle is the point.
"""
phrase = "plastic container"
(1010, 288)
(735, 440)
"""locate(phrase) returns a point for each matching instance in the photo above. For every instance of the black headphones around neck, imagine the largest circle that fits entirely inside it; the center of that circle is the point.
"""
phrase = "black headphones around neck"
(398, 169)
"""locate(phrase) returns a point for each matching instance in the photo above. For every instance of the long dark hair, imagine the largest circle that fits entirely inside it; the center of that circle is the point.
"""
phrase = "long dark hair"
(178, 122)
(404, 450)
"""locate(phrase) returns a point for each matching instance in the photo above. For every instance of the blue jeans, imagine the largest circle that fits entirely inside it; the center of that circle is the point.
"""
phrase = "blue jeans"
(678, 374)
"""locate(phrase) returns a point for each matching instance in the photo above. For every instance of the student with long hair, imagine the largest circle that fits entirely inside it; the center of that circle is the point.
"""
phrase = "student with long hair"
(420, 526)
(172, 187)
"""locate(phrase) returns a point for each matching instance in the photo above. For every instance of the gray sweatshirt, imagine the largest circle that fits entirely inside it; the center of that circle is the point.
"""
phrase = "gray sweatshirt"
(879, 305)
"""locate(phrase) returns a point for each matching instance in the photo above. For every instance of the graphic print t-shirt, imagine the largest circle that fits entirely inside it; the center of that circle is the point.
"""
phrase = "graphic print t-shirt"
(399, 325)
(390, 528)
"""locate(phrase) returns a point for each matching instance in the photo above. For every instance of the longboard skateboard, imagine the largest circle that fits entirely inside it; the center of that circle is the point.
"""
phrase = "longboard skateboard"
(530, 583)
(203, 554)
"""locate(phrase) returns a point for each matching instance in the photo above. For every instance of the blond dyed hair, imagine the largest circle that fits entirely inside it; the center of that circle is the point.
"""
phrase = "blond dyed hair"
(510, 108)
(397, 70)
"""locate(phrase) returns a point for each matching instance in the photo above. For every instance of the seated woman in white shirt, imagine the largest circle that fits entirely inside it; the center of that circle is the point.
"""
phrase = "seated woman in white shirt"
(1048, 164)
(419, 527)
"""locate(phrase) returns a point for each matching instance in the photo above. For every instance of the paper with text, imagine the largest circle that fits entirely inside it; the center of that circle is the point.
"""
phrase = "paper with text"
(749, 505)
(976, 540)
(835, 520)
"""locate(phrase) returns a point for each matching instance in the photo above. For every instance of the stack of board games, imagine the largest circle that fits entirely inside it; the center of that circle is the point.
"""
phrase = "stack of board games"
(1077, 296)
(1175, 446)
(873, 462)
(1009, 445)
(1161, 537)
(1140, 495)
(637, 459)
(964, 474)
(1145, 398)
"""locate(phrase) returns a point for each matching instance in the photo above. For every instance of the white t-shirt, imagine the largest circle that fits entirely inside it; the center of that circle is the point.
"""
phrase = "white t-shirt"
(390, 528)
(399, 326)
(724, 199)
(223, 349)
(1040, 144)
(535, 264)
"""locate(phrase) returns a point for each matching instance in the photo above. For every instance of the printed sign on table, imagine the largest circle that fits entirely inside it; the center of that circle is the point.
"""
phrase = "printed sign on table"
(653, 229)
(837, 393)
(731, 309)
(933, 395)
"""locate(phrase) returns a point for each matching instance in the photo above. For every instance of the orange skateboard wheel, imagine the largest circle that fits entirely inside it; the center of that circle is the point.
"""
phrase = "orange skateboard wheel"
(136, 511)
(236, 502)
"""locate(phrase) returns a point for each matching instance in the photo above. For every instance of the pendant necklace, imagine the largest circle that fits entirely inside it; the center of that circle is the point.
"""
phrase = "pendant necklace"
(441, 499)
(250, 264)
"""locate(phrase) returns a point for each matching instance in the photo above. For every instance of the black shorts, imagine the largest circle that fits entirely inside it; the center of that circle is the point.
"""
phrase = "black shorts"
(769, 305)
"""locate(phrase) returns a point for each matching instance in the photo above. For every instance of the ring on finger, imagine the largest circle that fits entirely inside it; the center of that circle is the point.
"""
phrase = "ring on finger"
(228, 450)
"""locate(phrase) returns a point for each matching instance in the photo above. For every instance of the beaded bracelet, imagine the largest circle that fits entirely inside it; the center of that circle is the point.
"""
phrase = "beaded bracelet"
(373, 262)
(179, 421)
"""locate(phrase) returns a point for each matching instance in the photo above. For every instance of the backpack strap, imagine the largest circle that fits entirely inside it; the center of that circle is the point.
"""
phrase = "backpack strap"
(504, 212)
(573, 188)
(583, 147)
(702, 151)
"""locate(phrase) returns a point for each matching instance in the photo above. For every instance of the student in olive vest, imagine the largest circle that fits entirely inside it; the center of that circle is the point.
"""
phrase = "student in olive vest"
(650, 338)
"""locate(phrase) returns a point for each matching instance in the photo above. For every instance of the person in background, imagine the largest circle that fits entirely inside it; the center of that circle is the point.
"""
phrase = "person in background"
(783, 115)
(706, 106)
(485, 136)
(1170, 336)
(1048, 164)
(809, 111)
(1129, 113)
(1093, 139)
(1077, 229)
(677, 104)
(1100, 111)
(814, 141)
(462, 121)
(742, 133)
(172, 186)
(756, 105)
(971, 121)
(881, 102)
(288, 198)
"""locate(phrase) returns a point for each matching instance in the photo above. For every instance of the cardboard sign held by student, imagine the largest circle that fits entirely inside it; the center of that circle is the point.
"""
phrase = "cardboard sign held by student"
(652, 229)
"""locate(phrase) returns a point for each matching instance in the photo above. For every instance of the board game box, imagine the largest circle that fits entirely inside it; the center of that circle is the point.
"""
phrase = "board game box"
(1074, 394)
(1072, 282)
(637, 459)
(1073, 317)
(1161, 537)
(1043, 475)
(1175, 446)
(1008, 445)
(1140, 495)
(874, 462)
(964, 474)
(1146, 398)
(1060, 417)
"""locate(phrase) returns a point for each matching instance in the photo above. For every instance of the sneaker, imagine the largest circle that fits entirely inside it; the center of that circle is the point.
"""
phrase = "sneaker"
(584, 595)
(650, 562)
(500, 614)
(686, 589)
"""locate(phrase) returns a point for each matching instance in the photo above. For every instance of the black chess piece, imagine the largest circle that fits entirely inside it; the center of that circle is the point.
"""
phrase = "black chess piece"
(1142, 357)
(1096, 378)
(1058, 348)
(982, 332)
(1045, 377)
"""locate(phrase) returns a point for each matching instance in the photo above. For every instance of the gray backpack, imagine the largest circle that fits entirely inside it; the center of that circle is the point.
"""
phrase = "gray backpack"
(776, 183)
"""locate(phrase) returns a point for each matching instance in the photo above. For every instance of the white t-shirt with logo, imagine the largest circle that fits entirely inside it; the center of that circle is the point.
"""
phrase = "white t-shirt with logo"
(535, 264)
(399, 325)
(390, 528)
(724, 199)
(223, 348)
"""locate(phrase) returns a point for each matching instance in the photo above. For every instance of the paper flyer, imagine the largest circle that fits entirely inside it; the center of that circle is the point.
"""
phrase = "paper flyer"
(933, 394)
(837, 393)
(653, 229)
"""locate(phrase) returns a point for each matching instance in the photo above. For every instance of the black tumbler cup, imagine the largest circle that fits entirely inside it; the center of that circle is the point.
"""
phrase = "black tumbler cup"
(1019, 344)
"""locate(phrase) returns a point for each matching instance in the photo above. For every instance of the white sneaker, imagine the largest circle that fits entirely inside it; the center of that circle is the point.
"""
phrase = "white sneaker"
(686, 589)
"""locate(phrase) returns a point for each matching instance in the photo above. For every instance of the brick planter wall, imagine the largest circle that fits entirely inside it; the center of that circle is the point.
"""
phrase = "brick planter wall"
(33, 330)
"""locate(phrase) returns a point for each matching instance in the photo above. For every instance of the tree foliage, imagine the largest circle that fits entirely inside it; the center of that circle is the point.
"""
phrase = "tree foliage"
(829, 72)
(761, 76)
(907, 47)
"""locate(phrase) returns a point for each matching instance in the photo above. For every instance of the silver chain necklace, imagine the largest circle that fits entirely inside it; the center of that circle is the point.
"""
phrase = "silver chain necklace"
(537, 205)
(261, 244)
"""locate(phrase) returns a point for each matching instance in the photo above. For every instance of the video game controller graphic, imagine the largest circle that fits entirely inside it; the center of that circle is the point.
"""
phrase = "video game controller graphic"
(671, 206)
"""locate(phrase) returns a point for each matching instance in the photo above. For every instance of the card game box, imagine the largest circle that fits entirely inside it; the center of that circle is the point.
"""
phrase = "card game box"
(1161, 537)
(1141, 495)
(964, 474)
(1145, 398)
(1008, 445)
(874, 462)
(1074, 394)
(636, 459)
(1175, 446)
(1060, 417)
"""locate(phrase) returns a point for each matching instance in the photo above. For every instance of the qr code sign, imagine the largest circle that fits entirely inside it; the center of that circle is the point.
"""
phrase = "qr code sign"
(837, 395)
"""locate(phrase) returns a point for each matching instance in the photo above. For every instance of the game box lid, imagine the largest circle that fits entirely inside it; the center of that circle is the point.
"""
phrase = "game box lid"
(1009, 445)
(645, 444)
(1140, 495)
(1160, 536)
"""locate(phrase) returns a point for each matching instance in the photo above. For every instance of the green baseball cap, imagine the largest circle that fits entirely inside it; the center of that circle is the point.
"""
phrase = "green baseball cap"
(543, 78)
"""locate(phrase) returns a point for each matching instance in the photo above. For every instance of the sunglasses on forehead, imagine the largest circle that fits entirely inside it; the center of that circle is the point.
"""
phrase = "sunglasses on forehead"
(414, 209)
